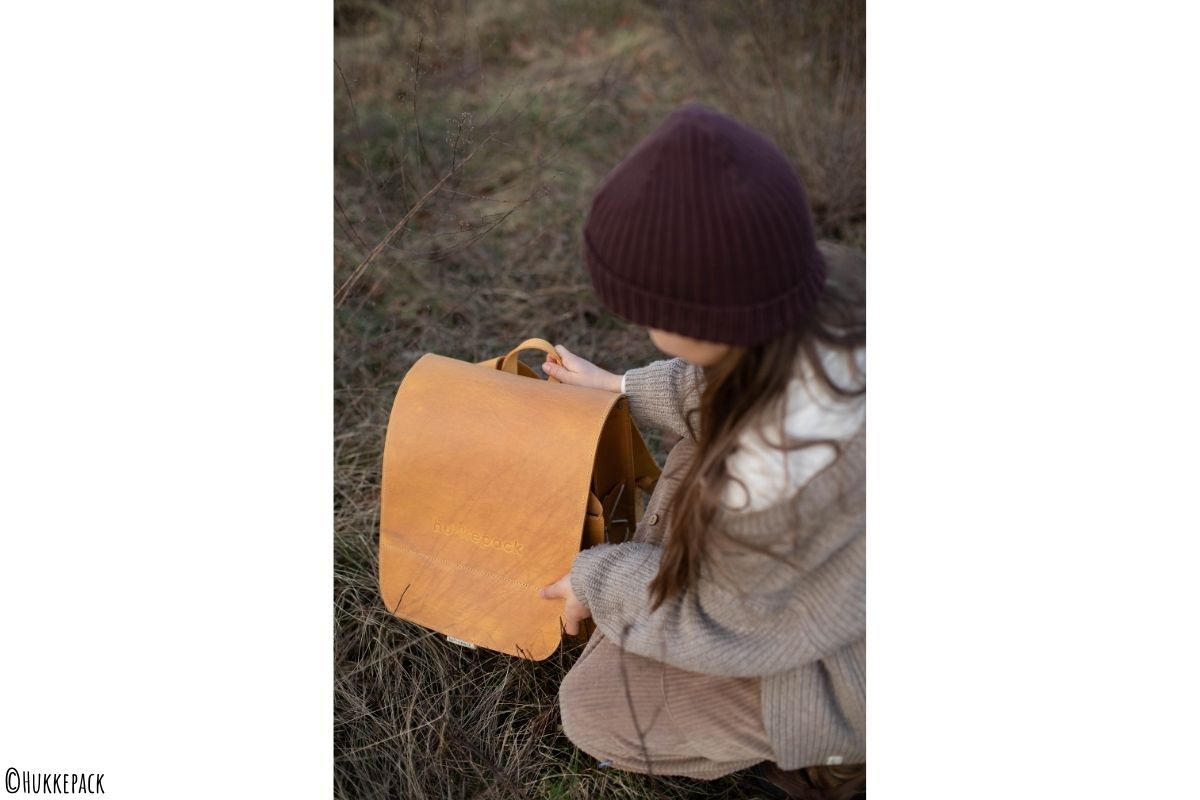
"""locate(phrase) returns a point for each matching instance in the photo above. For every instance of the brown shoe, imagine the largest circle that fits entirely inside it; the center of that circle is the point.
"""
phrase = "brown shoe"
(781, 784)
(813, 783)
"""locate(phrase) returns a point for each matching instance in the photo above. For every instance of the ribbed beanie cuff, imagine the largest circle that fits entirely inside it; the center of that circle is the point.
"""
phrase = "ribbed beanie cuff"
(704, 229)
(739, 325)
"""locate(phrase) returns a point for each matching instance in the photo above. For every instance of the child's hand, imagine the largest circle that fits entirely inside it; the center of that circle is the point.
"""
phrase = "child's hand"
(579, 371)
(574, 611)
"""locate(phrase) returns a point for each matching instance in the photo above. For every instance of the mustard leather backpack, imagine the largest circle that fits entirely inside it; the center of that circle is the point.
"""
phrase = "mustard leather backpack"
(493, 480)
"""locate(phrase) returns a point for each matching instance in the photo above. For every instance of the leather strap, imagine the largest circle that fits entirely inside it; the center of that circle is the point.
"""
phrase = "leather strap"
(509, 362)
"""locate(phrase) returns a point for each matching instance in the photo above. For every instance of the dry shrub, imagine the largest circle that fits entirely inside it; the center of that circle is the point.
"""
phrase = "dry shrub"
(797, 71)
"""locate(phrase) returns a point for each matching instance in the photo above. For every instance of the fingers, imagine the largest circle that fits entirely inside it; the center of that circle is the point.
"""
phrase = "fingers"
(557, 370)
(561, 373)
(558, 590)
(573, 611)
(573, 369)
(571, 616)
(569, 359)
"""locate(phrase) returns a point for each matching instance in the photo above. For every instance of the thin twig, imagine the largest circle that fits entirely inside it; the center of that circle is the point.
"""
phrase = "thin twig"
(344, 289)
(416, 114)
(358, 128)
(350, 225)
(507, 779)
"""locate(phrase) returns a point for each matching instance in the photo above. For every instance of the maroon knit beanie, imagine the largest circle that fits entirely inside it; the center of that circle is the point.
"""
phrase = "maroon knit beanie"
(704, 229)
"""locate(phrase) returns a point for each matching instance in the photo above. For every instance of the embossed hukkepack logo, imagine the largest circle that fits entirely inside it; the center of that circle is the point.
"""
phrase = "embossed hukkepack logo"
(478, 539)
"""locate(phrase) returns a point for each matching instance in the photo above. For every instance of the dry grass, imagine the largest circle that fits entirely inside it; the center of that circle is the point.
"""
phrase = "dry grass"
(538, 100)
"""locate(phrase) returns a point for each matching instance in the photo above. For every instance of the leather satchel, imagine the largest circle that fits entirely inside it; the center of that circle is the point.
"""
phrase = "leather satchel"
(493, 480)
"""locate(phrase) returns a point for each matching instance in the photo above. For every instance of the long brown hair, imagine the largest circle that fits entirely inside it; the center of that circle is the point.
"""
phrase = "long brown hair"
(747, 382)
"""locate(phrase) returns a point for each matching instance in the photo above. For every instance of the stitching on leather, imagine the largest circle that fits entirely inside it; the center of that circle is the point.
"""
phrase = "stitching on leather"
(460, 565)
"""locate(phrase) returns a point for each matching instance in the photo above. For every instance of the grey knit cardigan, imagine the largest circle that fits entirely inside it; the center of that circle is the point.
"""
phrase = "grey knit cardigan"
(799, 625)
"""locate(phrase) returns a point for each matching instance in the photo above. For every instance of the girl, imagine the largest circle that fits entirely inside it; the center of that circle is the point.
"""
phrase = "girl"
(730, 631)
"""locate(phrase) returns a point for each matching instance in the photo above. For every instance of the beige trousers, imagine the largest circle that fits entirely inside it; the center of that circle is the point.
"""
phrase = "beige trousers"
(666, 721)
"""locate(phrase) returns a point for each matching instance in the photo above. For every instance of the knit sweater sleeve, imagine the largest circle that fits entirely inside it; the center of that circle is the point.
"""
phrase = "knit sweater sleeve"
(772, 618)
(661, 392)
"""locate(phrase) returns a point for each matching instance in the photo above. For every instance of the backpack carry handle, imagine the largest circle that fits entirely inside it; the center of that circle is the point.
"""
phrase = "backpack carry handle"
(509, 362)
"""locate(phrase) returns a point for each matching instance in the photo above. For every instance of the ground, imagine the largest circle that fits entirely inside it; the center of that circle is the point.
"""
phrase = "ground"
(468, 137)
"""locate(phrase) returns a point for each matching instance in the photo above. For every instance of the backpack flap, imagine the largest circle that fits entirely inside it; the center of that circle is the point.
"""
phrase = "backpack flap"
(486, 479)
